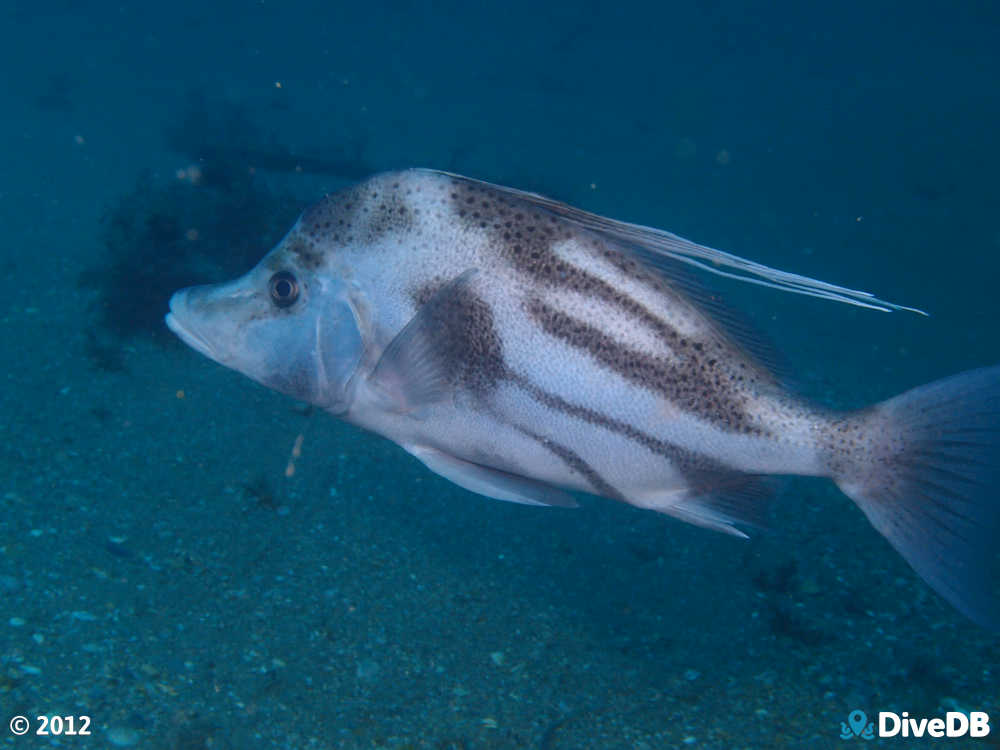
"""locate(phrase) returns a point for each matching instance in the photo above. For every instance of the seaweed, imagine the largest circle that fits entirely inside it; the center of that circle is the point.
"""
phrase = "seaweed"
(104, 355)
(781, 579)
(788, 624)
(210, 221)
(162, 237)
(261, 491)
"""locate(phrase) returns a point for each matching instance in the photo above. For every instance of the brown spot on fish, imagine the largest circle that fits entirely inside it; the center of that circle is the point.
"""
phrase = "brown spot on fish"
(521, 232)
(847, 440)
(363, 213)
(305, 250)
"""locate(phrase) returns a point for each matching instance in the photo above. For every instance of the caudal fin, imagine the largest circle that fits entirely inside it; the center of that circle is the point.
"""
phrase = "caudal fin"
(925, 469)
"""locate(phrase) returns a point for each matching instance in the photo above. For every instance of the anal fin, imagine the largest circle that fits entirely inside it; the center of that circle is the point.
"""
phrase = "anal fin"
(723, 501)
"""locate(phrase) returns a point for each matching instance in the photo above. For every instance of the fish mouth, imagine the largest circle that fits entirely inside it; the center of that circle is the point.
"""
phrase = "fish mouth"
(192, 338)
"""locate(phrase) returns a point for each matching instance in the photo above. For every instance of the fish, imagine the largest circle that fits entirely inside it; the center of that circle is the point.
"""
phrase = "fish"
(527, 350)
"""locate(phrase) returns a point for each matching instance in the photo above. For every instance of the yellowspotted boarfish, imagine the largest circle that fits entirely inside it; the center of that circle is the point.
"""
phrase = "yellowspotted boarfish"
(521, 348)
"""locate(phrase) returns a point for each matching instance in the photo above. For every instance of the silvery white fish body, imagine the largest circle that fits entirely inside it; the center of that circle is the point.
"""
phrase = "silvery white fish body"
(522, 348)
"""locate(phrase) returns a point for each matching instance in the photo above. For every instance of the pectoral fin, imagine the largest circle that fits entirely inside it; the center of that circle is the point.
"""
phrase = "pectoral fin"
(413, 370)
(483, 480)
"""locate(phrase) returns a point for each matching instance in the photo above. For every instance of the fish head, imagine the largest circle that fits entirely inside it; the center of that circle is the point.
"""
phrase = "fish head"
(295, 329)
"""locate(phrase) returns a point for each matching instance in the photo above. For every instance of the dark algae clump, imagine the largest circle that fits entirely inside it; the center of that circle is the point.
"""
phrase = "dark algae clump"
(182, 232)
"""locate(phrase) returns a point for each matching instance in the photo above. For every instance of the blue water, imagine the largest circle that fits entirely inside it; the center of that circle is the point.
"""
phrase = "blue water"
(161, 574)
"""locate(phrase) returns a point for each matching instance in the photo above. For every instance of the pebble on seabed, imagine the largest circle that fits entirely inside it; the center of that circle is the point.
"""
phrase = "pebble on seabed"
(122, 736)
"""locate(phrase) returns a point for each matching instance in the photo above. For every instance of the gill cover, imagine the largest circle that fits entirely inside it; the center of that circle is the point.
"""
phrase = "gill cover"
(298, 335)
(309, 353)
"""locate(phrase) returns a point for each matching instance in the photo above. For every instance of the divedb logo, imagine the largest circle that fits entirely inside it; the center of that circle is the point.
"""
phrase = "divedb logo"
(953, 724)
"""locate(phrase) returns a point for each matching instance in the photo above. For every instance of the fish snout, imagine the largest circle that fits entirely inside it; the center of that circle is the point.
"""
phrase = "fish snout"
(185, 320)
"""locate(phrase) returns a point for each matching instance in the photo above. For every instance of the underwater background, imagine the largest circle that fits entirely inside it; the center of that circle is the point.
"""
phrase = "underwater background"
(172, 567)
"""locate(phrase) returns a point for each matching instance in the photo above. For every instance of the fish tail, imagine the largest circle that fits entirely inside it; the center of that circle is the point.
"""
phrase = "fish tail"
(925, 469)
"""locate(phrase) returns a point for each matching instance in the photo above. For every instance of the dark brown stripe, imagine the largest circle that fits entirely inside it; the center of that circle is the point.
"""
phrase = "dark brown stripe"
(681, 458)
(466, 337)
(575, 462)
(702, 474)
(667, 450)
(697, 384)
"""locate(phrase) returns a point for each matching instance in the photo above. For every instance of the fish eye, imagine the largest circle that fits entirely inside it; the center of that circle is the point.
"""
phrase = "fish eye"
(284, 289)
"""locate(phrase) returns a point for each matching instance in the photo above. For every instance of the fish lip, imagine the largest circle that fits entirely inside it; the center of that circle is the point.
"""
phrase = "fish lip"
(187, 335)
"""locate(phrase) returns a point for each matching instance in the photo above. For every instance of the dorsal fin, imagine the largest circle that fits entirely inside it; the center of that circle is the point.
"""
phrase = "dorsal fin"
(653, 245)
